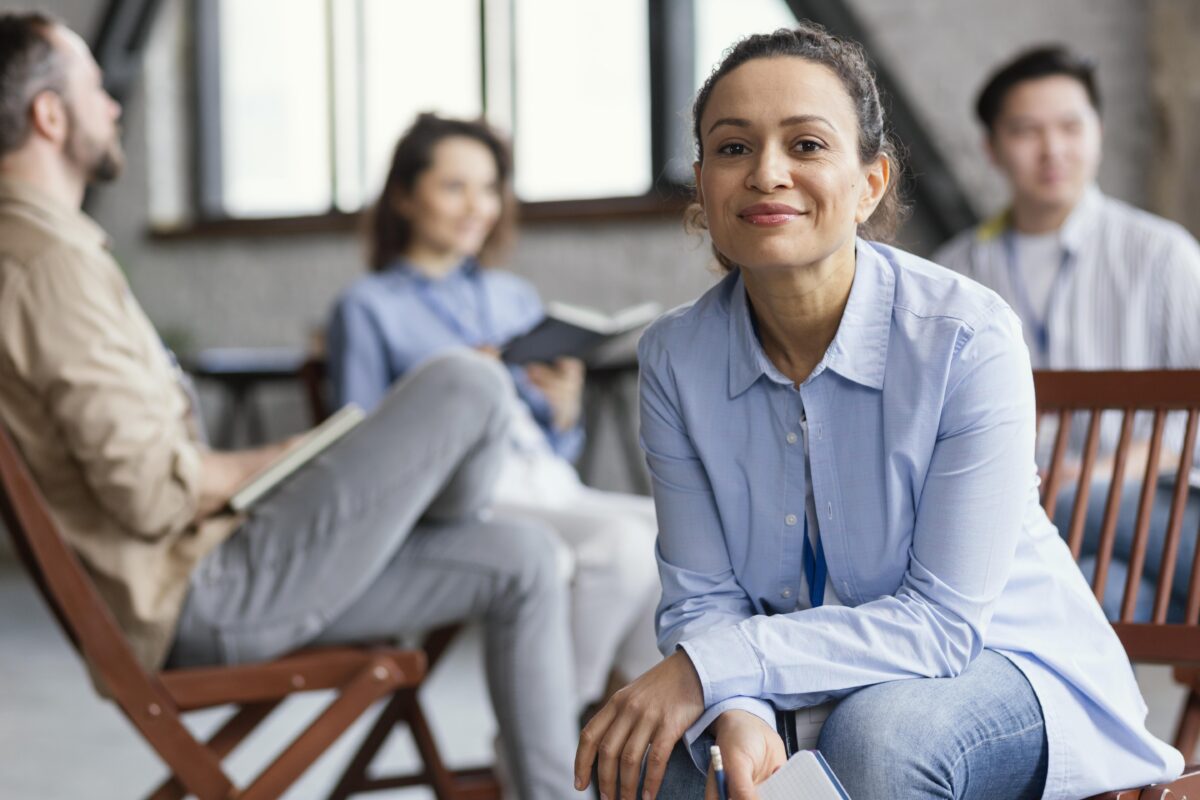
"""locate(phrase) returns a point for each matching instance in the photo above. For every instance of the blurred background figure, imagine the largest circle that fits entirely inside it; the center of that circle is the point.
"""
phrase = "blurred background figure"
(1098, 283)
(257, 136)
(446, 198)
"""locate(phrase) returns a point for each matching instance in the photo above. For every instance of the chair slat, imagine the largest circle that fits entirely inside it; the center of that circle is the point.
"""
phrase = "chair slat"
(1054, 475)
(1141, 531)
(1166, 579)
(1192, 616)
(1084, 486)
(1112, 506)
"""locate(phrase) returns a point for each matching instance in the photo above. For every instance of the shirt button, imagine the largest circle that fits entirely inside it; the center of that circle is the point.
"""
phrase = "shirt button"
(786, 593)
(791, 438)
(790, 519)
(829, 510)
(820, 431)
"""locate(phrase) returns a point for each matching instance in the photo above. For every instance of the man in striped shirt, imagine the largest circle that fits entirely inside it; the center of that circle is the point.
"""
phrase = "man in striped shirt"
(1097, 283)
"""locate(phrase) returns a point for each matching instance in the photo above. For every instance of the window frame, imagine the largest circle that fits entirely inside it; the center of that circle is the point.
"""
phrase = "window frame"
(670, 33)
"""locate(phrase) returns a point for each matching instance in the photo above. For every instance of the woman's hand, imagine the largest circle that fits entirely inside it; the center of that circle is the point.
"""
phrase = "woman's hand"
(751, 751)
(652, 712)
(562, 384)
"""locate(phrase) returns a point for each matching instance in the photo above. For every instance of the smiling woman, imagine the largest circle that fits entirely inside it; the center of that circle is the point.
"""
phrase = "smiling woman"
(840, 437)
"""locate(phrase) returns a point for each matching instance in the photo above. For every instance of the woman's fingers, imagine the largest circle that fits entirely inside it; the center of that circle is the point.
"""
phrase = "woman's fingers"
(589, 744)
(661, 746)
(631, 758)
(611, 748)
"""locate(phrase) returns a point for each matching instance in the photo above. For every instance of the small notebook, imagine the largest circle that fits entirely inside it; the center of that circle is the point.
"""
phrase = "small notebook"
(575, 331)
(312, 445)
(806, 776)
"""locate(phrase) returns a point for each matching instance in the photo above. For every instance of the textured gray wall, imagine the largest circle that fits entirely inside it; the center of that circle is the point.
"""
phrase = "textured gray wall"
(943, 50)
(273, 290)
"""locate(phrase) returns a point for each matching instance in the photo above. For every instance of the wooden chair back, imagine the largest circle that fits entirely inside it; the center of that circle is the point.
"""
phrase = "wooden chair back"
(156, 702)
(1067, 394)
(1067, 397)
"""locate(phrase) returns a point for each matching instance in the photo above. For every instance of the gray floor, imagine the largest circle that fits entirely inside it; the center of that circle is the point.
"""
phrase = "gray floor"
(58, 741)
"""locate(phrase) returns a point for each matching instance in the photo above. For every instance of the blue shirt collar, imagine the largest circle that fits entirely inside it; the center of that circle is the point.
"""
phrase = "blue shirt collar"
(468, 268)
(859, 349)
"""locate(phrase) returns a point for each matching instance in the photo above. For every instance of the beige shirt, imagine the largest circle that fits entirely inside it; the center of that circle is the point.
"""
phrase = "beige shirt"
(94, 403)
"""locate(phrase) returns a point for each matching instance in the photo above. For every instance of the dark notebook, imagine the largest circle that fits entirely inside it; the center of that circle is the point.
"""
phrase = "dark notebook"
(573, 331)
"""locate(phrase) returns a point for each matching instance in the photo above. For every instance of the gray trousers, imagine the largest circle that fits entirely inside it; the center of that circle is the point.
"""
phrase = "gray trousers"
(381, 537)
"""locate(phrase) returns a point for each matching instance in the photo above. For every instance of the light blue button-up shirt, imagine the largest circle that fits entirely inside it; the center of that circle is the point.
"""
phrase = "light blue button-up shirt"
(387, 322)
(921, 437)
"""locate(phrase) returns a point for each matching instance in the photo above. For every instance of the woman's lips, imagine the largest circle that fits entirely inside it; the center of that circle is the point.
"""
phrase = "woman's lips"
(769, 214)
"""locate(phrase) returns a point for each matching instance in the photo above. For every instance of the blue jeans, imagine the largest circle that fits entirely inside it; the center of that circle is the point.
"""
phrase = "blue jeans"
(1123, 545)
(973, 737)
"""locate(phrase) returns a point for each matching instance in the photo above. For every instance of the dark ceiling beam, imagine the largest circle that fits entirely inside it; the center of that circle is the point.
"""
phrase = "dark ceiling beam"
(120, 40)
(931, 185)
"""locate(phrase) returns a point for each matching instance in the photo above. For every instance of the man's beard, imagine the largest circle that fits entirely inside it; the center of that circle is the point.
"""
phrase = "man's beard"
(98, 161)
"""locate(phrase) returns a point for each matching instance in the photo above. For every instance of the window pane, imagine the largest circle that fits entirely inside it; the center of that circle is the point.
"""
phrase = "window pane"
(582, 99)
(274, 108)
(417, 57)
(720, 23)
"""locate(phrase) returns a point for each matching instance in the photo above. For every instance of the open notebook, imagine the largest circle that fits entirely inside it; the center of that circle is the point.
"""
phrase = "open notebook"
(312, 445)
(805, 776)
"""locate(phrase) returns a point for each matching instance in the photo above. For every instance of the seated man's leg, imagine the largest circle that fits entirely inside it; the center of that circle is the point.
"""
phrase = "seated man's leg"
(310, 549)
(979, 735)
(506, 575)
(1123, 543)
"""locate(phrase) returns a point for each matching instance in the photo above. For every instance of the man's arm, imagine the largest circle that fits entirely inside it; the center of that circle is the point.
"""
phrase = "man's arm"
(83, 347)
(223, 473)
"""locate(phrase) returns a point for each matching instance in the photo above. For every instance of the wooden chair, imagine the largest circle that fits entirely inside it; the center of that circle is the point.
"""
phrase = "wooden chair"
(1063, 395)
(155, 702)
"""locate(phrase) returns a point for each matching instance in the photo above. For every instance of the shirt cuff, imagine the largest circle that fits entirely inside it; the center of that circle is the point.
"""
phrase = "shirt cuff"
(726, 664)
(567, 444)
(698, 739)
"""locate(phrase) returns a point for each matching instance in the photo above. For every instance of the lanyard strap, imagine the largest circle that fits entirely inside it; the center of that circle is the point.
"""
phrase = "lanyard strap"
(1039, 324)
(815, 568)
(454, 322)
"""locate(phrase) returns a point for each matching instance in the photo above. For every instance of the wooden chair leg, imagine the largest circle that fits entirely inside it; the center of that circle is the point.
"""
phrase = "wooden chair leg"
(1187, 734)
(374, 682)
(476, 784)
(440, 778)
(222, 743)
(354, 778)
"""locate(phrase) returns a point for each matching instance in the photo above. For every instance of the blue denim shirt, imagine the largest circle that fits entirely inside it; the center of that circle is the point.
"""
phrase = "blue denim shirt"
(921, 438)
(387, 322)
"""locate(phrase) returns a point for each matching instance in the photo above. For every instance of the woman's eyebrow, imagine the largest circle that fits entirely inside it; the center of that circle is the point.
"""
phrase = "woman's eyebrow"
(796, 119)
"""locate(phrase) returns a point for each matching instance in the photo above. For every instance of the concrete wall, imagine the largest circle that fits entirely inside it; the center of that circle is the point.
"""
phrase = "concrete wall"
(273, 290)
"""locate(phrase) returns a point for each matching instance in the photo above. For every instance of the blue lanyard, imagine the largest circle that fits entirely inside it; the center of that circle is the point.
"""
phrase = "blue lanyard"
(1039, 324)
(486, 332)
(815, 568)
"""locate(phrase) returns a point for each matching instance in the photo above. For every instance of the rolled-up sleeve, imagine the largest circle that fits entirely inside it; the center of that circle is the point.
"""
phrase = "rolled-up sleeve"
(82, 344)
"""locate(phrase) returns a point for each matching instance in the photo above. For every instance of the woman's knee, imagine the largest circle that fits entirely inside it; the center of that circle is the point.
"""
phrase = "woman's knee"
(885, 736)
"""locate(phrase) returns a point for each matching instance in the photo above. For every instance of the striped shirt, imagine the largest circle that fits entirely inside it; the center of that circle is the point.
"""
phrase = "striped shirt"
(1126, 296)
